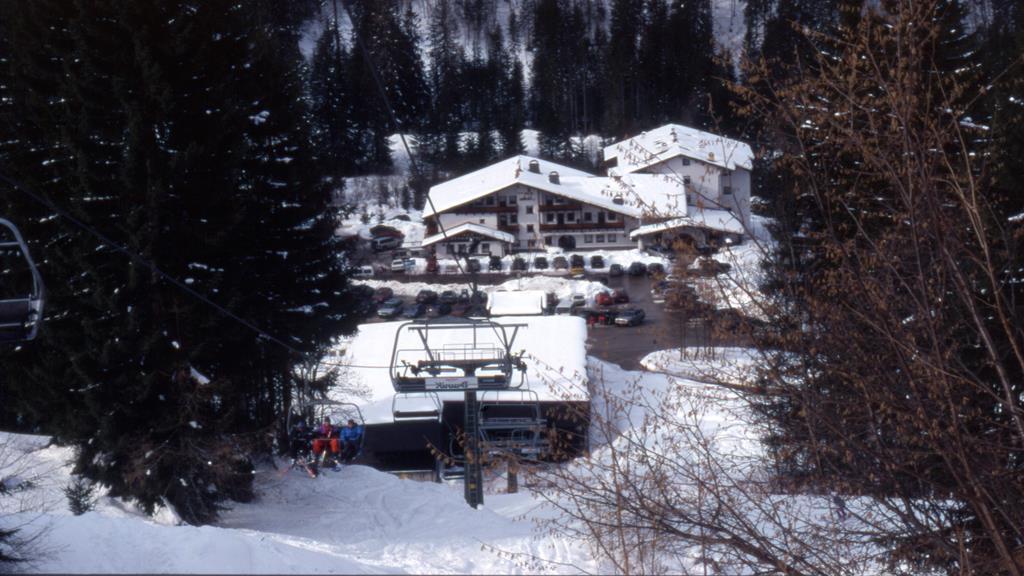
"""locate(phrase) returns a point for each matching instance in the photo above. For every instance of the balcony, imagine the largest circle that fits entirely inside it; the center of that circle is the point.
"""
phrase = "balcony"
(477, 209)
(565, 207)
(510, 228)
(582, 226)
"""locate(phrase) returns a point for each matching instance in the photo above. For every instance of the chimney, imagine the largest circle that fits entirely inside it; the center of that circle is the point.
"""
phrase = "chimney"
(534, 166)
(553, 177)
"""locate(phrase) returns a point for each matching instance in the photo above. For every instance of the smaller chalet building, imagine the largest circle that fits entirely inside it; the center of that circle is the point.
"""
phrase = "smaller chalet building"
(671, 182)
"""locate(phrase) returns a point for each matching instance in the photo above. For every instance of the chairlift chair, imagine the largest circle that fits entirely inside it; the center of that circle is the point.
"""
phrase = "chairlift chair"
(453, 355)
(314, 412)
(21, 307)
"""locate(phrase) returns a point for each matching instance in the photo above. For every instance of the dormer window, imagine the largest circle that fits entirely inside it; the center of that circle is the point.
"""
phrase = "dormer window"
(686, 161)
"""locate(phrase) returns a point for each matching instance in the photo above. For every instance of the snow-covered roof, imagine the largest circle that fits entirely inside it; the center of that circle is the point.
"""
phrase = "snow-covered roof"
(673, 140)
(721, 220)
(556, 361)
(498, 176)
(642, 194)
(516, 303)
(469, 227)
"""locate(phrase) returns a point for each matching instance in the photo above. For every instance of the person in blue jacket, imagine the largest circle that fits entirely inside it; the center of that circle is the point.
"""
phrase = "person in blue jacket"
(351, 437)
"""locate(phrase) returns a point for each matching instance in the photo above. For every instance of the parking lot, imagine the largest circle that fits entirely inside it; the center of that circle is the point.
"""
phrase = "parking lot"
(622, 345)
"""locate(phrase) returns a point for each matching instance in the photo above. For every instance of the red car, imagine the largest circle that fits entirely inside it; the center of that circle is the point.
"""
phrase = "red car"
(620, 297)
(603, 299)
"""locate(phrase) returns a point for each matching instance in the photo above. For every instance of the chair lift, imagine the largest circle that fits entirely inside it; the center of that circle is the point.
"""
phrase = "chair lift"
(511, 425)
(314, 411)
(453, 355)
(21, 306)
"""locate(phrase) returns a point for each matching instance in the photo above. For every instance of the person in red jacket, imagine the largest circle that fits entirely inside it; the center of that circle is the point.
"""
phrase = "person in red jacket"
(326, 439)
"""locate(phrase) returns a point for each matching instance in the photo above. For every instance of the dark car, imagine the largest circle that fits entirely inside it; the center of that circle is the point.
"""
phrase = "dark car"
(448, 297)
(362, 292)
(494, 265)
(637, 269)
(464, 296)
(655, 269)
(459, 310)
(473, 266)
(426, 297)
(576, 261)
(414, 310)
(597, 261)
(603, 299)
(560, 263)
(390, 308)
(540, 263)
(620, 297)
(615, 270)
(439, 309)
(478, 297)
(383, 293)
(518, 264)
(630, 317)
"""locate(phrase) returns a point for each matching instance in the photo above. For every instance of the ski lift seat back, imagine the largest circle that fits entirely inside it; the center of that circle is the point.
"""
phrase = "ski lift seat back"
(21, 307)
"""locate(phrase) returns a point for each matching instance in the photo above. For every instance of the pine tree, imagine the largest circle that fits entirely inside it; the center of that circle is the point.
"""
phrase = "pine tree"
(181, 133)
(330, 103)
(622, 100)
(446, 74)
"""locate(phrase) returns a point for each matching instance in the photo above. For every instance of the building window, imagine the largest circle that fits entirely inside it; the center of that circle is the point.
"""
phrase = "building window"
(502, 220)
(686, 161)
(482, 220)
(513, 218)
(529, 209)
(611, 239)
(485, 247)
(529, 227)
(558, 200)
(726, 189)
(686, 179)
(512, 200)
(613, 217)
(588, 238)
(549, 240)
(599, 238)
(570, 217)
(451, 248)
(489, 201)
(549, 217)
(588, 216)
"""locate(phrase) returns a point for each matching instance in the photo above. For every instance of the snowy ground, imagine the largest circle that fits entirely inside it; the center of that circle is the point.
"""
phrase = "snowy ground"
(357, 520)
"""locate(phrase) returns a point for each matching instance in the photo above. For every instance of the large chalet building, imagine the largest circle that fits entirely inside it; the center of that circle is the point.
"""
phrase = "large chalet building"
(670, 182)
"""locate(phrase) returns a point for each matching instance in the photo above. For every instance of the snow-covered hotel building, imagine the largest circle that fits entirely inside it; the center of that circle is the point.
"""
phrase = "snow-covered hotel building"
(669, 182)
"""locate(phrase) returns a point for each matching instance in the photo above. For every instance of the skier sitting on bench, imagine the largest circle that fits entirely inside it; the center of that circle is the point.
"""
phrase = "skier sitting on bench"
(351, 435)
(326, 438)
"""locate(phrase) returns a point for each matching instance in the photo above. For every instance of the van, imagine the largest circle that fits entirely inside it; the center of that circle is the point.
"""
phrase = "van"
(386, 243)
(363, 272)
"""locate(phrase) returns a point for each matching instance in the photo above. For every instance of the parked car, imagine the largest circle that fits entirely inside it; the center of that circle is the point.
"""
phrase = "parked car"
(383, 293)
(603, 299)
(597, 261)
(620, 297)
(630, 317)
(477, 297)
(382, 243)
(414, 310)
(391, 308)
(518, 264)
(399, 264)
(564, 306)
(362, 292)
(655, 269)
(426, 297)
(362, 272)
(494, 264)
(459, 310)
(473, 266)
(637, 269)
(439, 309)
(579, 300)
(540, 263)
(615, 270)
(560, 263)
(576, 261)
(448, 297)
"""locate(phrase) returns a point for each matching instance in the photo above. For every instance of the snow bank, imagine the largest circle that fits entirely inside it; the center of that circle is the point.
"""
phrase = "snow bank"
(562, 287)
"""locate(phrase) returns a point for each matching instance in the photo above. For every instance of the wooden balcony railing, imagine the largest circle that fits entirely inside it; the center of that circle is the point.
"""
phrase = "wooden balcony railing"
(582, 226)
